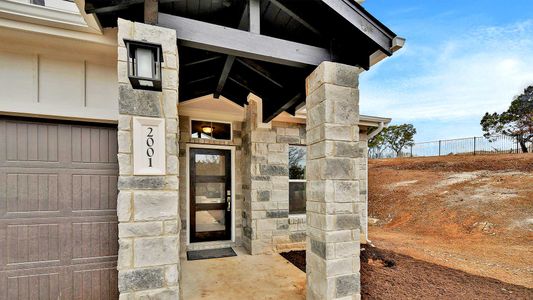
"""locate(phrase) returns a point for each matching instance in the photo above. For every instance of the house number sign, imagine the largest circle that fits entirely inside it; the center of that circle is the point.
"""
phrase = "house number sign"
(148, 146)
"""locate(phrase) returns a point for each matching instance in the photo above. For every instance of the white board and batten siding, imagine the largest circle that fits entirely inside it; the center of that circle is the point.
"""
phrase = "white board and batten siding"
(56, 86)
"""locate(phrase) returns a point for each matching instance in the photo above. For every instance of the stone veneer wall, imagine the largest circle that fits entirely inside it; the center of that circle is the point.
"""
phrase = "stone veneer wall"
(267, 226)
(185, 139)
(147, 208)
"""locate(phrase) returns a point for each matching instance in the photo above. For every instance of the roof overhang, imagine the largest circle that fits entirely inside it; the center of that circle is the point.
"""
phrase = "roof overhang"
(223, 109)
(64, 15)
(354, 13)
(397, 44)
(373, 121)
(364, 120)
(267, 48)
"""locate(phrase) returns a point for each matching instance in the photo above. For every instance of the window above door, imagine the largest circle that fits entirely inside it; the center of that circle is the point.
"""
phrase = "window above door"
(212, 130)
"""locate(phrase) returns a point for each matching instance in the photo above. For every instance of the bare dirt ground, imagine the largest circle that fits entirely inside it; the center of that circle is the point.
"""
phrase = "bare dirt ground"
(388, 275)
(471, 213)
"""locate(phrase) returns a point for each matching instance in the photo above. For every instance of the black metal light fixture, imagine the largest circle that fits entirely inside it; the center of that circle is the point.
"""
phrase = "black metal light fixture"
(144, 65)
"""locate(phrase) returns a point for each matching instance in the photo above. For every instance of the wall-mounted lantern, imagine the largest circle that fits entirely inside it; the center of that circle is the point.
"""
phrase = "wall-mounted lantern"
(144, 65)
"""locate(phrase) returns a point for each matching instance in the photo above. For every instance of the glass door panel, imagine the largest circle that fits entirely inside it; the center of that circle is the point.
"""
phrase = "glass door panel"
(210, 220)
(210, 194)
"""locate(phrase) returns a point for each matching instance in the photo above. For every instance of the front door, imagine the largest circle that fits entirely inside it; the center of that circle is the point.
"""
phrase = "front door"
(210, 194)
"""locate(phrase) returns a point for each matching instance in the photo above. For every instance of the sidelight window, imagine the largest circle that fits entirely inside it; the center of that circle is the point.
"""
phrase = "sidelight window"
(297, 199)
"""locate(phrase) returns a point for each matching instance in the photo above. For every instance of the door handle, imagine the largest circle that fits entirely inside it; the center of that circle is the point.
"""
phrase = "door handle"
(228, 199)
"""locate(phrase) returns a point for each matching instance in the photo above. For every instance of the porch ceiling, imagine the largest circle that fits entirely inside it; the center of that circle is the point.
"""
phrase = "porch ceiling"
(335, 30)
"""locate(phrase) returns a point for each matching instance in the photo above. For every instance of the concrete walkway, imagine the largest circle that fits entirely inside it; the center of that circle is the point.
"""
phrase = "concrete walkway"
(242, 277)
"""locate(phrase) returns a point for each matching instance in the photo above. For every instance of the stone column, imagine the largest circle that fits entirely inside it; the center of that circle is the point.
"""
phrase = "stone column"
(333, 157)
(147, 207)
(265, 189)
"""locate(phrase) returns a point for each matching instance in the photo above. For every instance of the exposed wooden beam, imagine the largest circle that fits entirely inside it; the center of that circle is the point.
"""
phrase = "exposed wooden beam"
(271, 107)
(270, 111)
(115, 5)
(260, 72)
(201, 61)
(230, 59)
(244, 86)
(244, 23)
(224, 75)
(151, 8)
(111, 6)
(359, 19)
(295, 17)
(352, 54)
(211, 37)
(200, 79)
(268, 93)
(255, 16)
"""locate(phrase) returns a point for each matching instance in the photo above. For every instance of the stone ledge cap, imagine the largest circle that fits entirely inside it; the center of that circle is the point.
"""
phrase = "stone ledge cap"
(334, 73)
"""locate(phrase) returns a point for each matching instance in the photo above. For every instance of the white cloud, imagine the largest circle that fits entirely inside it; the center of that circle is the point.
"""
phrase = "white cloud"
(461, 77)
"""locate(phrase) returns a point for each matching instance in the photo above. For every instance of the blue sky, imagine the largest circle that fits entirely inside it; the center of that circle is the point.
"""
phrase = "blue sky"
(461, 59)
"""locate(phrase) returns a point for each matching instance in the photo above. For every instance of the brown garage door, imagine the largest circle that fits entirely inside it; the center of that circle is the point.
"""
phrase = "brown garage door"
(58, 225)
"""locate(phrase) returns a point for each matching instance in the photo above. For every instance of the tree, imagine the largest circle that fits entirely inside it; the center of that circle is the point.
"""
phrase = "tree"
(516, 121)
(297, 162)
(377, 145)
(398, 136)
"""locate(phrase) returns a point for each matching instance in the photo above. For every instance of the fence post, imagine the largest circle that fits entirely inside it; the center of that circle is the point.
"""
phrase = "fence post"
(439, 146)
(474, 145)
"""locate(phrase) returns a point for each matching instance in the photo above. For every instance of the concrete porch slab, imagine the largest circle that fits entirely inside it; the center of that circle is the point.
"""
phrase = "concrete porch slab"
(242, 277)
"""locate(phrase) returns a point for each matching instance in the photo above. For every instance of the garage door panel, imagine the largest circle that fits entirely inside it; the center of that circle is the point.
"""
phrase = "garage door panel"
(94, 239)
(94, 192)
(91, 281)
(99, 281)
(59, 165)
(28, 141)
(94, 145)
(32, 243)
(56, 215)
(32, 192)
(37, 285)
(58, 224)
(51, 143)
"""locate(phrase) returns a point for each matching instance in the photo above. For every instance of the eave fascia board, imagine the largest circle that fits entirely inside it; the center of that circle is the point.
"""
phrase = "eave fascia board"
(373, 121)
(377, 56)
(357, 16)
(397, 44)
(364, 120)
(108, 38)
(43, 15)
(91, 19)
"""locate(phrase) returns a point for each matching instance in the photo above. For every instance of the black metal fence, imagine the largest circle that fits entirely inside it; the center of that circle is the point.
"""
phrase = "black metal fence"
(465, 146)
